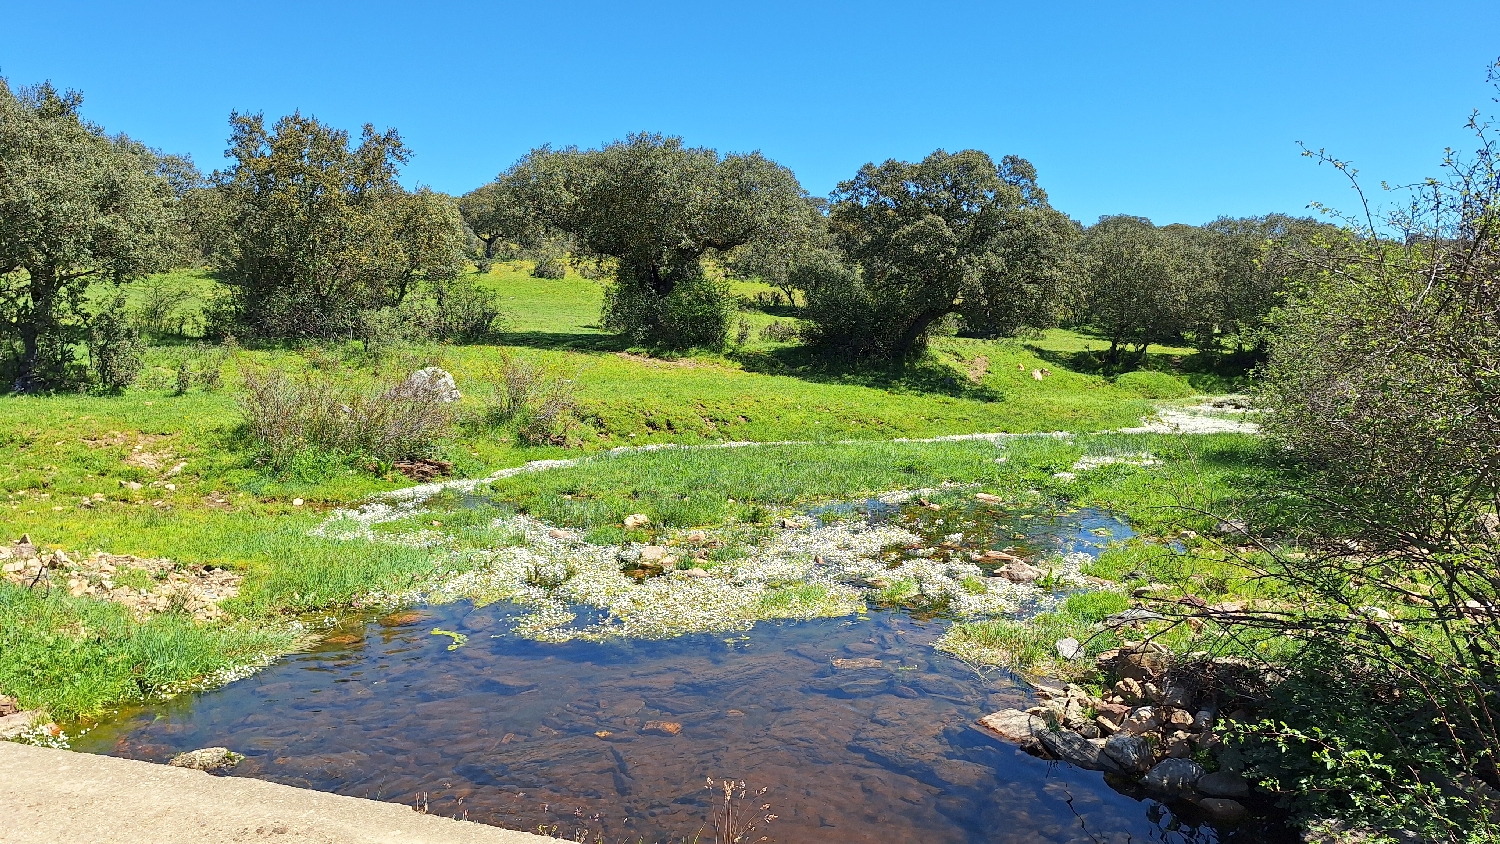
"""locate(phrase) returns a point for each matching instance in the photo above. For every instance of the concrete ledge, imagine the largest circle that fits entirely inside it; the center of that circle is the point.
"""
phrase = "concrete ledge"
(49, 796)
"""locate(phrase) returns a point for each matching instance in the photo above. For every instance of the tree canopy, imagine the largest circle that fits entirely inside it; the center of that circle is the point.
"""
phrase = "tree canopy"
(955, 233)
(657, 207)
(316, 230)
(76, 206)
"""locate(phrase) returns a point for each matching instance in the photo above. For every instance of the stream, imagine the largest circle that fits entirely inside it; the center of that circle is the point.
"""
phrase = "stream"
(856, 727)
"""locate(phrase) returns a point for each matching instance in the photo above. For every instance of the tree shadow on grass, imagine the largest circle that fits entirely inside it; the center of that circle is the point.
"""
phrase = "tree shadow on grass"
(563, 341)
(1206, 371)
(920, 376)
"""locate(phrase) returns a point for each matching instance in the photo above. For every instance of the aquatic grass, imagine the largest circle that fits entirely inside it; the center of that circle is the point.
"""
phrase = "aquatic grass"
(691, 487)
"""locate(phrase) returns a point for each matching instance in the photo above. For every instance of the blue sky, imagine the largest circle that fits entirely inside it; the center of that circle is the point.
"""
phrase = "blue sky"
(1176, 111)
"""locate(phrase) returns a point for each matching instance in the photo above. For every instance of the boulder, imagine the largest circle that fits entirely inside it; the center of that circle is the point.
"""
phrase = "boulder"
(653, 553)
(1072, 747)
(1131, 753)
(987, 498)
(1069, 648)
(431, 383)
(1173, 776)
(8, 706)
(1142, 719)
(207, 759)
(636, 520)
(1015, 726)
(1131, 689)
(1224, 784)
(1176, 694)
(1017, 571)
(17, 723)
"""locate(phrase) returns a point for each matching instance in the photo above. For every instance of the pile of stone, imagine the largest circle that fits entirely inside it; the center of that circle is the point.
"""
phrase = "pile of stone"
(1146, 727)
(146, 586)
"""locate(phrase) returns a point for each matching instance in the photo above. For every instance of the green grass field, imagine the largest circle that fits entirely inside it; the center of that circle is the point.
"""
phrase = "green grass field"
(72, 463)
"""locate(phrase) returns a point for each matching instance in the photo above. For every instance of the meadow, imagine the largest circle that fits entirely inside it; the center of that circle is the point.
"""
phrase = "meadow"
(159, 471)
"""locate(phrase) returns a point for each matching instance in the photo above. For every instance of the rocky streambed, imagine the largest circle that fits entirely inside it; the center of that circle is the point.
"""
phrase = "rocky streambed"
(1152, 730)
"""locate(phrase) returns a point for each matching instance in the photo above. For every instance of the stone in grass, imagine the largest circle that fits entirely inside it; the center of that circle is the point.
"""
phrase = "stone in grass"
(662, 728)
(1069, 648)
(207, 759)
(1173, 776)
(16, 723)
(1224, 784)
(636, 520)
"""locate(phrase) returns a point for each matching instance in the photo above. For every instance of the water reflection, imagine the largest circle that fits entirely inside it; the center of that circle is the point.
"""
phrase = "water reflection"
(861, 731)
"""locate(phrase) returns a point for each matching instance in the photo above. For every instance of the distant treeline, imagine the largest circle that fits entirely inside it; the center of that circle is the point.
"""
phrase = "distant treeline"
(313, 237)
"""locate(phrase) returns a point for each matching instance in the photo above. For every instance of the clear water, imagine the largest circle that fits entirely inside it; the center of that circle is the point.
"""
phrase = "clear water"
(506, 731)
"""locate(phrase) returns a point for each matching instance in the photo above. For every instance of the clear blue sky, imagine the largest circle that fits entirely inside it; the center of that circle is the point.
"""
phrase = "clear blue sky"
(1176, 111)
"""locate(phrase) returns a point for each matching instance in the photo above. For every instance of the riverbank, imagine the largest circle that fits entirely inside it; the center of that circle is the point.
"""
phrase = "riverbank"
(52, 796)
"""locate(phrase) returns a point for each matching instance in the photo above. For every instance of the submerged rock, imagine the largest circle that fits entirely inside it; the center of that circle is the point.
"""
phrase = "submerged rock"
(1224, 784)
(1223, 809)
(207, 759)
(1173, 776)
(1072, 747)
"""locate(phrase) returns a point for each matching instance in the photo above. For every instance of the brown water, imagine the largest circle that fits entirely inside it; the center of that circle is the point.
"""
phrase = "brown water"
(506, 731)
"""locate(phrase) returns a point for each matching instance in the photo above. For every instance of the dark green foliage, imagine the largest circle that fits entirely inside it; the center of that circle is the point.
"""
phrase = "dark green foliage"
(76, 206)
(696, 312)
(658, 208)
(315, 231)
(459, 311)
(550, 267)
(1140, 283)
(917, 242)
(115, 347)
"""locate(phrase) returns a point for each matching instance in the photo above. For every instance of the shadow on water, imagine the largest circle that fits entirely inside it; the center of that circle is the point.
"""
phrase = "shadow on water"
(617, 738)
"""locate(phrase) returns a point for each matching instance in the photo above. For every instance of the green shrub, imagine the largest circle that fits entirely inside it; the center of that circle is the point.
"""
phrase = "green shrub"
(695, 314)
(287, 417)
(551, 267)
(115, 348)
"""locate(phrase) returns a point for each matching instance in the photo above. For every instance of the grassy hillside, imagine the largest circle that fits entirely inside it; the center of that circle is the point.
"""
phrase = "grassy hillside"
(153, 472)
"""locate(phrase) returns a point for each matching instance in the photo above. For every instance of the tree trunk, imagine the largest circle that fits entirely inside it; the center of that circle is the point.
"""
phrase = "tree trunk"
(35, 322)
(911, 338)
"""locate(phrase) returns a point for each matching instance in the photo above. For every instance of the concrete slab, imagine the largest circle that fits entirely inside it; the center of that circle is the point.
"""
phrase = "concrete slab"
(60, 797)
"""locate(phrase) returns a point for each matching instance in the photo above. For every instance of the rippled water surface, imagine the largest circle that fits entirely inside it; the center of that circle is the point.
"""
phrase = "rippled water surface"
(520, 734)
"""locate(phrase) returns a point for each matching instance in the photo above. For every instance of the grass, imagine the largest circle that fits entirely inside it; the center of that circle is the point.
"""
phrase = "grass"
(69, 466)
(72, 655)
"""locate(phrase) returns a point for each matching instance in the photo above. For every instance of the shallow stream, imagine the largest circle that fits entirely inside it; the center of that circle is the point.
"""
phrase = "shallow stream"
(858, 728)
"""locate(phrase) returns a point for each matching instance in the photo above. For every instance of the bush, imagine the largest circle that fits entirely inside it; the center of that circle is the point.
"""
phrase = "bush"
(388, 421)
(845, 319)
(780, 332)
(550, 267)
(162, 308)
(1154, 385)
(695, 314)
(457, 311)
(542, 406)
(115, 349)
